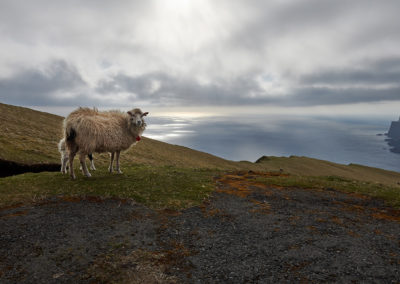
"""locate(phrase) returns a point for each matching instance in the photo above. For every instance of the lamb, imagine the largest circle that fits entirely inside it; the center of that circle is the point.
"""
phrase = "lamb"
(64, 157)
(89, 130)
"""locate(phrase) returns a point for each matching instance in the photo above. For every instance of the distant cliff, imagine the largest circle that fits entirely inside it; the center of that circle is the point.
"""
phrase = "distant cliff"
(394, 137)
(394, 131)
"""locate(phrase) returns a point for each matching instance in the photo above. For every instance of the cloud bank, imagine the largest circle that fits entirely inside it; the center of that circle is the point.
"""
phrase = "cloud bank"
(199, 52)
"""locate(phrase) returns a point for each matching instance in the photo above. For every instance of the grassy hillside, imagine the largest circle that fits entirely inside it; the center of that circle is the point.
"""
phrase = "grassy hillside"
(29, 136)
(159, 174)
(305, 166)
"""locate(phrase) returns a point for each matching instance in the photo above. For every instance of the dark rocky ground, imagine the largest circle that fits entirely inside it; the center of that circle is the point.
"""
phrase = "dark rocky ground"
(245, 233)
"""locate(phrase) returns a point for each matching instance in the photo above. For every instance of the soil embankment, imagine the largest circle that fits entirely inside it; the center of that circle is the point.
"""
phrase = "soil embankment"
(245, 233)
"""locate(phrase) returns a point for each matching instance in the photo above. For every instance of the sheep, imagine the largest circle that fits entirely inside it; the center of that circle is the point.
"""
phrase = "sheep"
(64, 157)
(89, 131)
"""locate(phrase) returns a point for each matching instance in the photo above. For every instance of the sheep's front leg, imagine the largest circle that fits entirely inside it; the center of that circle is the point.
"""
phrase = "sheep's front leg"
(117, 158)
(83, 165)
(110, 168)
(92, 167)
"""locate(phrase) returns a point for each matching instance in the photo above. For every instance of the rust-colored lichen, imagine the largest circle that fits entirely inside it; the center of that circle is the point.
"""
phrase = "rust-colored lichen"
(15, 214)
(262, 207)
(385, 216)
(337, 220)
(353, 234)
(242, 184)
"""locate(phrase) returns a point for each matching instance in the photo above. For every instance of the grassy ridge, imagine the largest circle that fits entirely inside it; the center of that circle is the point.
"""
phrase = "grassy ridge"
(304, 166)
(159, 174)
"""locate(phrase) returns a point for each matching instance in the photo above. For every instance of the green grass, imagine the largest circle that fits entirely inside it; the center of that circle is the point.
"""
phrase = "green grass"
(391, 194)
(156, 187)
(29, 136)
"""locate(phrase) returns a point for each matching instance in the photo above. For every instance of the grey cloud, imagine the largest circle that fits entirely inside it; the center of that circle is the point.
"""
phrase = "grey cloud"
(385, 64)
(38, 87)
(368, 81)
(181, 91)
(344, 86)
(384, 72)
(327, 96)
(104, 39)
(65, 21)
(341, 29)
(290, 18)
(35, 87)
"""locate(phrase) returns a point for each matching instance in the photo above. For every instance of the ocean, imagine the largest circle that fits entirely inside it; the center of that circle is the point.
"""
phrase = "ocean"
(340, 140)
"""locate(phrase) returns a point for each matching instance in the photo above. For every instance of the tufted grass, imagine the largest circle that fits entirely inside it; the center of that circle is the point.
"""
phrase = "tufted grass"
(156, 187)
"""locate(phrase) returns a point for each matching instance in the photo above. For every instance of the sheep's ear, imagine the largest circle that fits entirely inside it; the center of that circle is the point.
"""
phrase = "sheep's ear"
(146, 113)
(129, 113)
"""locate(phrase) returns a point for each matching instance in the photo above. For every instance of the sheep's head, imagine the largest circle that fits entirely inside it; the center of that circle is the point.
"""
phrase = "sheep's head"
(136, 117)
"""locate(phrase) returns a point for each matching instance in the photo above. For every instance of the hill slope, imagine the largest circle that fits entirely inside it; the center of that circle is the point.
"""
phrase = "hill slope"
(313, 167)
(29, 136)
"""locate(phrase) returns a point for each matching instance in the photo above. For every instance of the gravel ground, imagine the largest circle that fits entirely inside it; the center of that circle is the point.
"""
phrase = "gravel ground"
(245, 233)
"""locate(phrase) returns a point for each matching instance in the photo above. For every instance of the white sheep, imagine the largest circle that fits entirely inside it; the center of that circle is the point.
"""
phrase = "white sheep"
(89, 130)
(64, 157)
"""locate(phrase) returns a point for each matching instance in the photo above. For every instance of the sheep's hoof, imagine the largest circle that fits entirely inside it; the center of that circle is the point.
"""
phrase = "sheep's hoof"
(88, 175)
(93, 168)
(110, 170)
(73, 177)
(120, 172)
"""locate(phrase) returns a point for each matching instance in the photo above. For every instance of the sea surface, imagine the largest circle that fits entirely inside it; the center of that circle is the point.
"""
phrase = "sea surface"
(242, 136)
(340, 140)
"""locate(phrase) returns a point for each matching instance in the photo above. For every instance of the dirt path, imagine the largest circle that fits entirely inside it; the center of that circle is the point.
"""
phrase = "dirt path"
(246, 232)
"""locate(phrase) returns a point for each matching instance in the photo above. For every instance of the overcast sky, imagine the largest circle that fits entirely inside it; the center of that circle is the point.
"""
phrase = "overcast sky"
(199, 52)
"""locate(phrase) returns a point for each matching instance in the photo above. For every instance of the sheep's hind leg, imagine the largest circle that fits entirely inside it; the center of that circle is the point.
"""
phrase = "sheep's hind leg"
(110, 168)
(83, 165)
(117, 162)
(92, 167)
(71, 157)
